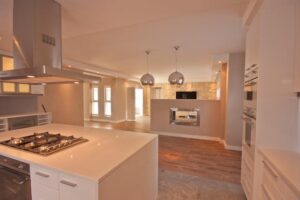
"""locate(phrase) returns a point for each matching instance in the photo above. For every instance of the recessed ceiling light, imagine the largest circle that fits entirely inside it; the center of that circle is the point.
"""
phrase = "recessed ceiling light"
(220, 62)
(76, 82)
(30, 76)
(69, 66)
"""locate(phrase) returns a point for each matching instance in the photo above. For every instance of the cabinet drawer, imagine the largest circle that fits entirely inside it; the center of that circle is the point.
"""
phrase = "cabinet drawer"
(247, 177)
(288, 193)
(271, 182)
(44, 176)
(42, 192)
(76, 188)
(267, 194)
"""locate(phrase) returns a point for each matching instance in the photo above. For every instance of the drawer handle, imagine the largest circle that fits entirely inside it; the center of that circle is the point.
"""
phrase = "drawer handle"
(273, 172)
(42, 174)
(68, 183)
(266, 191)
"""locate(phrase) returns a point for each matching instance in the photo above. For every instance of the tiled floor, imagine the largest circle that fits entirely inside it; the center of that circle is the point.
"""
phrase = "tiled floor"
(190, 169)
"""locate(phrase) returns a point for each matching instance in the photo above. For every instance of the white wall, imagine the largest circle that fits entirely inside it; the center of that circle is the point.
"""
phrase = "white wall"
(234, 100)
(65, 102)
(18, 104)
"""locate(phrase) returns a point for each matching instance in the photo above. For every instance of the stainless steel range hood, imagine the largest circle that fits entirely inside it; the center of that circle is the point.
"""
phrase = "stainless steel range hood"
(37, 47)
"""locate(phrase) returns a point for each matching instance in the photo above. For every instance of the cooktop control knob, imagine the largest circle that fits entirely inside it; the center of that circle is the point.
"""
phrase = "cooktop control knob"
(21, 166)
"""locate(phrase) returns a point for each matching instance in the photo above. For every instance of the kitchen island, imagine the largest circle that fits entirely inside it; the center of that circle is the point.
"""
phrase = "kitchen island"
(112, 165)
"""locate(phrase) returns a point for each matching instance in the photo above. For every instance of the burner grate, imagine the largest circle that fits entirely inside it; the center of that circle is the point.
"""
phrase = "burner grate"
(43, 143)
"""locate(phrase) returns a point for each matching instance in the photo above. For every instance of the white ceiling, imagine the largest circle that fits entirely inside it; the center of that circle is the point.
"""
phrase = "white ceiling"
(115, 33)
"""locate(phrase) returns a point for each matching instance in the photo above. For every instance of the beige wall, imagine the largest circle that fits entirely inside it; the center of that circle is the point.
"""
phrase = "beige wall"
(205, 90)
(65, 102)
(209, 117)
(131, 103)
(147, 100)
(223, 97)
(87, 101)
(18, 104)
(234, 99)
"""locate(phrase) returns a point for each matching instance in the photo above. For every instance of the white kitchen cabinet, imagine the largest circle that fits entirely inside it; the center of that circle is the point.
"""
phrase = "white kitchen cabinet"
(247, 171)
(75, 188)
(47, 184)
(273, 185)
(3, 125)
(252, 44)
(43, 119)
(37, 89)
(297, 48)
(42, 192)
(44, 183)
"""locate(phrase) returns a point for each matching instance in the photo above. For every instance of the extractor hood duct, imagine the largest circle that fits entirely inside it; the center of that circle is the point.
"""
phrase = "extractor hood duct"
(37, 48)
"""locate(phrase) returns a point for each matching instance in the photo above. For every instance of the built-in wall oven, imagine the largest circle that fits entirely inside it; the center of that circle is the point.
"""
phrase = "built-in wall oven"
(250, 86)
(249, 125)
(14, 179)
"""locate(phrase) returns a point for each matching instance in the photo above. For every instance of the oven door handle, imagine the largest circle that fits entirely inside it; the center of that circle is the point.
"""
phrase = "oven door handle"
(20, 182)
(23, 179)
(248, 120)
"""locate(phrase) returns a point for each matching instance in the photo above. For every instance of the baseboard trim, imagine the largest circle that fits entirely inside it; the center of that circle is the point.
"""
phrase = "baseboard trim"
(106, 120)
(231, 148)
(190, 136)
(200, 137)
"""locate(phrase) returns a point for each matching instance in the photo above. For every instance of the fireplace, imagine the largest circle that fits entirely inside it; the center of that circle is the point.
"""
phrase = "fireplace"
(186, 117)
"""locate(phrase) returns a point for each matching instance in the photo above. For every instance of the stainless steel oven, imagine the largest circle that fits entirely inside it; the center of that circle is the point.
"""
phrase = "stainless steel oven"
(14, 179)
(250, 86)
(249, 126)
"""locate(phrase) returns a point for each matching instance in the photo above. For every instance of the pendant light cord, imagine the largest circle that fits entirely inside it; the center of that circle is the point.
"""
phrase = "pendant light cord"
(147, 59)
(176, 57)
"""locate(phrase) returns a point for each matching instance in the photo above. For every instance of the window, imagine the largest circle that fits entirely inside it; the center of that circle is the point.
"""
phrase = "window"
(107, 101)
(9, 87)
(95, 102)
(7, 63)
(24, 88)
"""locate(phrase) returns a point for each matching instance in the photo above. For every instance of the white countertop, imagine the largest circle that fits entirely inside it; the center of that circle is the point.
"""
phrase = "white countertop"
(22, 115)
(287, 163)
(105, 150)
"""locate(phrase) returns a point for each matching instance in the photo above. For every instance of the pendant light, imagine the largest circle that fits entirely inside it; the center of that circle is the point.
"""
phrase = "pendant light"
(176, 78)
(147, 79)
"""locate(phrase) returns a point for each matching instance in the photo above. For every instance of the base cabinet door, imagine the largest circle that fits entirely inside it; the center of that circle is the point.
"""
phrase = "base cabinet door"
(76, 188)
(41, 192)
(297, 48)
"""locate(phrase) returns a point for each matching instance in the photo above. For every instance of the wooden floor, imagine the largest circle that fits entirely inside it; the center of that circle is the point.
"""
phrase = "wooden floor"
(199, 157)
(195, 157)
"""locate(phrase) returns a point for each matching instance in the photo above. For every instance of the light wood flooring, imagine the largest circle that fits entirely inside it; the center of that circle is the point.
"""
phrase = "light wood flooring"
(201, 158)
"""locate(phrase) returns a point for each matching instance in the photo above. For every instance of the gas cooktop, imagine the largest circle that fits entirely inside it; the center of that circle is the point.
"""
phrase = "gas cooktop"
(43, 143)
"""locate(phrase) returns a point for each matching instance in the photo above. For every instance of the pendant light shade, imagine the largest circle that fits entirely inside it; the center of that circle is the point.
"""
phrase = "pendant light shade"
(147, 79)
(176, 78)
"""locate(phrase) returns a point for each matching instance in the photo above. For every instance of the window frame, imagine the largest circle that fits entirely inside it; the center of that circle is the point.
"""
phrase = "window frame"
(107, 101)
(93, 100)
